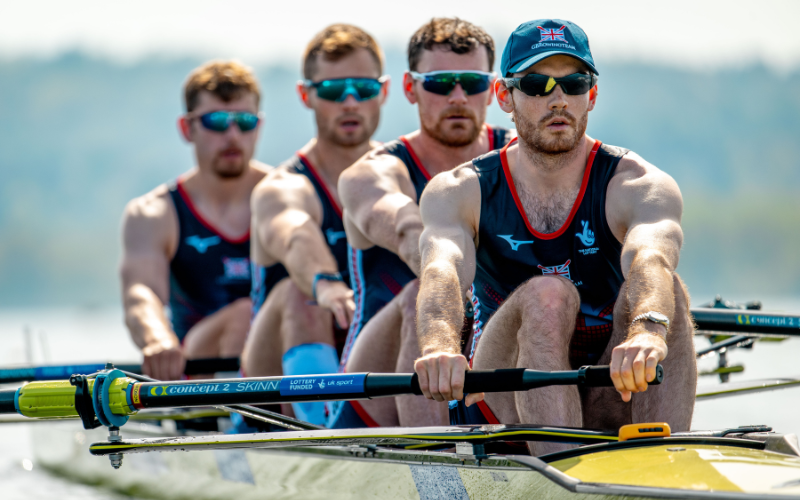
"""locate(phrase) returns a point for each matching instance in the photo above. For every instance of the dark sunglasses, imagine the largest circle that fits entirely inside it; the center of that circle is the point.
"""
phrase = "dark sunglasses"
(219, 121)
(443, 82)
(337, 89)
(540, 85)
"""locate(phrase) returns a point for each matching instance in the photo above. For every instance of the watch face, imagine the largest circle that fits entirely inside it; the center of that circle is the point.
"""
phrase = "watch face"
(658, 317)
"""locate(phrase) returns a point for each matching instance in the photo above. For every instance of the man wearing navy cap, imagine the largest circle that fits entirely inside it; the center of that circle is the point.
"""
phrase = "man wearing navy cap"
(570, 247)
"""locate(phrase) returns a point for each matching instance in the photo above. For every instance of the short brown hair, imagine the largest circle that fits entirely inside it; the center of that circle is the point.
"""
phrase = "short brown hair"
(453, 34)
(227, 80)
(337, 41)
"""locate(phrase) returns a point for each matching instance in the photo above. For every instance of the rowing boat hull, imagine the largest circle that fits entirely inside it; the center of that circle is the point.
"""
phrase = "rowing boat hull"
(353, 472)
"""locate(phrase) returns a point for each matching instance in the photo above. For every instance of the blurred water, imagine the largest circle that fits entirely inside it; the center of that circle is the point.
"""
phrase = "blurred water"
(83, 335)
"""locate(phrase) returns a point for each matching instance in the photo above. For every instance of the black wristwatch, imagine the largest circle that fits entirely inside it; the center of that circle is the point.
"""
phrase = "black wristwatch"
(326, 277)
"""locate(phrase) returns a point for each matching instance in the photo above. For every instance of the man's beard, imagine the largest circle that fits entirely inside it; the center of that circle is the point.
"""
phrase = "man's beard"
(227, 169)
(457, 134)
(536, 136)
(347, 140)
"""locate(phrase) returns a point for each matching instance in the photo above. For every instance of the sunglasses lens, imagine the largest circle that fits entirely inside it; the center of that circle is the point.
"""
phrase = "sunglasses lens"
(338, 90)
(366, 88)
(218, 121)
(246, 121)
(575, 84)
(331, 90)
(440, 83)
(474, 83)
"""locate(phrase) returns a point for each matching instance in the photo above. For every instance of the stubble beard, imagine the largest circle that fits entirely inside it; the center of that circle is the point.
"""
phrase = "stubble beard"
(541, 143)
(345, 140)
(454, 135)
(227, 170)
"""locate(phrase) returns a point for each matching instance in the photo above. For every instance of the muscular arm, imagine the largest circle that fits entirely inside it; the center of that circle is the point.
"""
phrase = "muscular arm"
(148, 234)
(287, 218)
(379, 199)
(448, 210)
(644, 211)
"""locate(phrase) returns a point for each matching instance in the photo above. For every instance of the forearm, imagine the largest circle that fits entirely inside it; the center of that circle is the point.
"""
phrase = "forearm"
(650, 288)
(145, 318)
(408, 248)
(440, 309)
(307, 255)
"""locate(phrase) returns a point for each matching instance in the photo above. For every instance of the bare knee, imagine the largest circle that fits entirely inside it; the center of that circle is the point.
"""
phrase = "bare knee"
(238, 313)
(549, 295)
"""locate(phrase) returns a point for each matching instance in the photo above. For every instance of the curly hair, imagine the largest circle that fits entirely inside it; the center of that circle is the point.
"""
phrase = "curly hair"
(227, 80)
(337, 41)
(452, 34)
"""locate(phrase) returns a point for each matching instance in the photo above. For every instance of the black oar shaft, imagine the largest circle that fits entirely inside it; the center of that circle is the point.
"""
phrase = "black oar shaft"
(746, 321)
(350, 386)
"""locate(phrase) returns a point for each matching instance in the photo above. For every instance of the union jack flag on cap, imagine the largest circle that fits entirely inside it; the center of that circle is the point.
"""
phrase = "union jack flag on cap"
(552, 34)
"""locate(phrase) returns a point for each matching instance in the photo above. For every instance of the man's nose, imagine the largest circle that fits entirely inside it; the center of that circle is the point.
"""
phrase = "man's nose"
(557, 98)
(350, 103)
(457, 95)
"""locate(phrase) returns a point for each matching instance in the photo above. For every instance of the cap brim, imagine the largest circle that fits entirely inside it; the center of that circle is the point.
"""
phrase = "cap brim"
(544, 55)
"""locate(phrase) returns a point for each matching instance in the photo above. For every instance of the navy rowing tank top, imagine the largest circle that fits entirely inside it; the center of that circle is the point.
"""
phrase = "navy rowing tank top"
(583, 250)
(208, 270)
(265, 278)
(377, 275)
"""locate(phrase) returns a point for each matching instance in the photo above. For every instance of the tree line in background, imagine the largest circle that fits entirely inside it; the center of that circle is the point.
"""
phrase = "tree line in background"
(79, 137)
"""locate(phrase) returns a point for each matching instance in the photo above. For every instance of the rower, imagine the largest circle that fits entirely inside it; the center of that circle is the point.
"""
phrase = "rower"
(570, 247)
(450, 63)
(186, 244)
(302, 303)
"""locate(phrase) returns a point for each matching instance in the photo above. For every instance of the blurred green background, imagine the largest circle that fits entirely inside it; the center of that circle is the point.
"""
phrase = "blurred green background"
(80, 136)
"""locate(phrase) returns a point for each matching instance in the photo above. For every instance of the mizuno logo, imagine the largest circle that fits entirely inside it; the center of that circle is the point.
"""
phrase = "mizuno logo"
(202, 244)
(514, 243)
(334, 236)
(587, 236)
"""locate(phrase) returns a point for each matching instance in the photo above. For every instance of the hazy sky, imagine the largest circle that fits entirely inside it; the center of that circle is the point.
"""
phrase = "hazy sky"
(692, 32)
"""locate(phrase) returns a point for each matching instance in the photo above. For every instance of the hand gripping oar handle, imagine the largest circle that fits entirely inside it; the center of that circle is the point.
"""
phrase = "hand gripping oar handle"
(58, 372)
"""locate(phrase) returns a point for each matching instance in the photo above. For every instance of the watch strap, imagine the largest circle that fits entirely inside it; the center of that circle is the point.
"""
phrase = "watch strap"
(326, 277)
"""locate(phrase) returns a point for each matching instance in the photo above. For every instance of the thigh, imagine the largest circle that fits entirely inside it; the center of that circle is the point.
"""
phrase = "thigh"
(204, 339)
(377, 345)
(673, 400)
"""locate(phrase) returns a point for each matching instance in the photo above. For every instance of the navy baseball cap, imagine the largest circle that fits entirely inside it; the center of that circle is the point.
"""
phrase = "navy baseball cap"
(536, 40)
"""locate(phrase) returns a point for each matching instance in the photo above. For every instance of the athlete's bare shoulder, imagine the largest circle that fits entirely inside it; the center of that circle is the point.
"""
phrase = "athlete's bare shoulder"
(641, 191)
(150, 220)
(453, 194)
(282, 189)
(375, 171)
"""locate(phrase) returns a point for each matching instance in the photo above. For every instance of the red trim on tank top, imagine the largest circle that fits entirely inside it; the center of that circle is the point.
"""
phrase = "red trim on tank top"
(414, 157)
(487, 412)
(313, 171)
(362, 413)
(419, 164)
(188, 200)
(578, 200)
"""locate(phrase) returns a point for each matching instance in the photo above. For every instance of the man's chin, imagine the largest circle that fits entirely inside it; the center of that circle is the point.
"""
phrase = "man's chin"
(229, 171)
(352, 139)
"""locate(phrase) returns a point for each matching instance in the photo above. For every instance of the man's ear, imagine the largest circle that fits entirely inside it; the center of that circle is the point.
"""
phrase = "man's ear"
(592, 97)
(385, 89)
(302, 91)
(503, 94)
(185, 128)
(408, 88)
